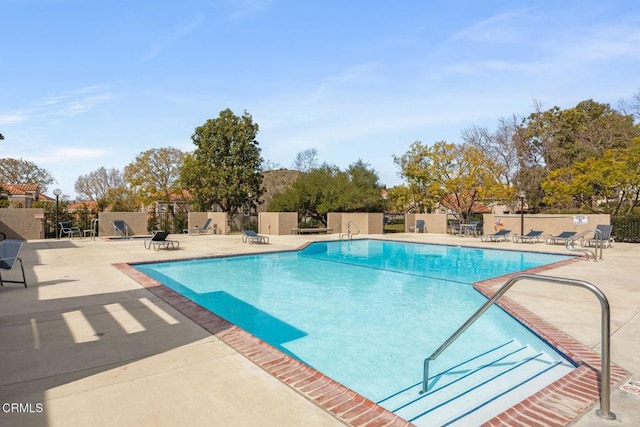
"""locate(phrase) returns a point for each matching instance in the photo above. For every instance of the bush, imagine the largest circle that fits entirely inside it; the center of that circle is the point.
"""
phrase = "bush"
(626, 228)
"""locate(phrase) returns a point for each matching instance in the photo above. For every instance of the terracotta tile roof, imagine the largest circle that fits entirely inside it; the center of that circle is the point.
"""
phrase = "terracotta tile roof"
(87, 204)
(20, 189)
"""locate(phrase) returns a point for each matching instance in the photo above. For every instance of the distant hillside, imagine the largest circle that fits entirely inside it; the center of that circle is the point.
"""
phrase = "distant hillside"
(275, 182)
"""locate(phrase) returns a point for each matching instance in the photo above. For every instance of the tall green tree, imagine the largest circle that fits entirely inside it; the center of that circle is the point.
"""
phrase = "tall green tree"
(457, 176)
(18, 171)
(606, 184)
(555, 139)
(155, 174)
(328, 189)
(226, 166)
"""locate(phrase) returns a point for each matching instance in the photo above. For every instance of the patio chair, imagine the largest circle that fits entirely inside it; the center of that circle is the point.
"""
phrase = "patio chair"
(473, 228)
(498, 236)
(9, 254)
(205, 229)
(120, 228)
(159, 240)
(560, 238)
(454, 227)
(420, 226)
(251, 237)
(67, 230)
(605, 238)
(531, 237)
(92, 231)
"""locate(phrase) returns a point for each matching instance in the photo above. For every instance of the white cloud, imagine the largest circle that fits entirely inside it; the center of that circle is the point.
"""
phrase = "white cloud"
(171, 38)
(13, 118)
(241, 8)
(67, 155)
(66, 104)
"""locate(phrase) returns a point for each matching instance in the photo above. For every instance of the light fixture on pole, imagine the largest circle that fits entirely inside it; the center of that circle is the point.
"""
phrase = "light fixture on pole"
(384, 195)
(522, 195)
(57, 193)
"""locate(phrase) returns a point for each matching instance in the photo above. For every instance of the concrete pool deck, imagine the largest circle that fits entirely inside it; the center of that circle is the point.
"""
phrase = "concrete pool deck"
(85, 344)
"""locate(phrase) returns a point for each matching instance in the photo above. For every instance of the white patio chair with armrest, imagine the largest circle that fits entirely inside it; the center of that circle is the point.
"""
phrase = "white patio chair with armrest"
(67, 230)
(9, 254)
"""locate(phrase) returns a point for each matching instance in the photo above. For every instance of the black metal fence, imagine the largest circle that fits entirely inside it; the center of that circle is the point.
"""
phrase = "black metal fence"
(173, 223)
(626, 228)
(82, 220)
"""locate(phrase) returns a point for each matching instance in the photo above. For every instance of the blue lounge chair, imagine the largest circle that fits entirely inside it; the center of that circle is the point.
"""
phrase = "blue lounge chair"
(531, 237)
(560, 238)
(67, 230)
(498, 236)
(120, 228)
(159, 240)
(605, 238)
(205, 229)
(250, 236)
(420, 226)
(9, 254)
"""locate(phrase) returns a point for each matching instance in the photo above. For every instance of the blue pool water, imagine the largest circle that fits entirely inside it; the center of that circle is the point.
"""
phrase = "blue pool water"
(364, 312)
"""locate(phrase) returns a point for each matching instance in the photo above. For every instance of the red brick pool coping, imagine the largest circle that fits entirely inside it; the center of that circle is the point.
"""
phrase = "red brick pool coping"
(558, 404)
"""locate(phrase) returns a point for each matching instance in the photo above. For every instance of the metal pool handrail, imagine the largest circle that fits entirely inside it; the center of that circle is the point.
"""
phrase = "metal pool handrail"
(570, 244)
(349, 234)
(605, 369)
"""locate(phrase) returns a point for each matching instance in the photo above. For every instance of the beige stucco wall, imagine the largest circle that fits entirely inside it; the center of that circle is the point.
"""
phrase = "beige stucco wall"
(368, 223)
(277, 223)
(22, 224)
(136, 223)
(549, 224)
(434, 223)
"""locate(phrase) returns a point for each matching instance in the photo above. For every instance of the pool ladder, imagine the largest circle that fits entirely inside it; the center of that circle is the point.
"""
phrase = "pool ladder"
(605, 368)
(570, 244)
(349, 234)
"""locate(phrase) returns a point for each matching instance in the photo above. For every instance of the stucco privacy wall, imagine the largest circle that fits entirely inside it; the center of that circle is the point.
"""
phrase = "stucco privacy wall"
(136, 223)
(23, 223)
(277, 223)
(549, 224)
(218, 220)
(434, 223)
(367, 223)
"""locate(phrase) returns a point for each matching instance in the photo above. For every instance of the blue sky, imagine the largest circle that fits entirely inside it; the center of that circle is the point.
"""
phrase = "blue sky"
(85, 84)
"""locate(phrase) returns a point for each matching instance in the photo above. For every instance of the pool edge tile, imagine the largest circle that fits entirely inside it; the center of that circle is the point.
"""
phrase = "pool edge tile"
(568, 398)
(355, 410)
(572, 395)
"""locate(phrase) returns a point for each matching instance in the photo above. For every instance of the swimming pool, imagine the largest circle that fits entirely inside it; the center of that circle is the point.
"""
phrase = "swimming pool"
(367, 313)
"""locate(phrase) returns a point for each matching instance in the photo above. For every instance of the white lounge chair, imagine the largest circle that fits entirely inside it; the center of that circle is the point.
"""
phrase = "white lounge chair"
(251, 237)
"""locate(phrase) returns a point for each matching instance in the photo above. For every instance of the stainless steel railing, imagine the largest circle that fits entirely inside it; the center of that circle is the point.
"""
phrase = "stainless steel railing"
(570, 244)
(605, 368)
(349, 234)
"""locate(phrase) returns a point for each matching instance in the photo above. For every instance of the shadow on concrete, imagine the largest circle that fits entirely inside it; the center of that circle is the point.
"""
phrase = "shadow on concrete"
(59, 341)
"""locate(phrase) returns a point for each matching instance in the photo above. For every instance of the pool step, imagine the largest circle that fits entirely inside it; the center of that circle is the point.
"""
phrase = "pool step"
(476, 390)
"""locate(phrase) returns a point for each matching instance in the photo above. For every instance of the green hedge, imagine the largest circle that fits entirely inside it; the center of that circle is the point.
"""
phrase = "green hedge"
(626, 228)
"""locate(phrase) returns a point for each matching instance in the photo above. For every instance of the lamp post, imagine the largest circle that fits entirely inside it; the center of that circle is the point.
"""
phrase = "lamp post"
(522, 195)
(57, 193)
(249, 210)
(384, 208)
